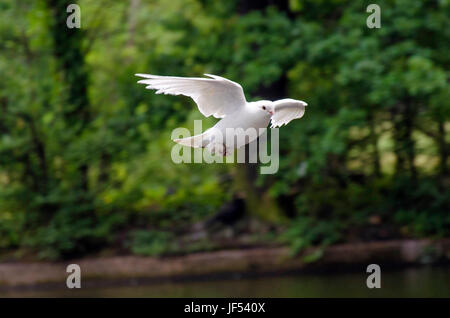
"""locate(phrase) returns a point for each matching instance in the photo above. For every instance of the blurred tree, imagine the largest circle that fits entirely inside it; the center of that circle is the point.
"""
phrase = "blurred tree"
(67, 49)
(83, 149)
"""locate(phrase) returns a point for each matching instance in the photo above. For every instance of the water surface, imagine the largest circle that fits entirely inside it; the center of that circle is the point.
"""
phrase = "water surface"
(412, 282)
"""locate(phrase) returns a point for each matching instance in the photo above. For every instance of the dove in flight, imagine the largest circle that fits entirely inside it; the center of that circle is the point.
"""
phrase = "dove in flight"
(224, 99)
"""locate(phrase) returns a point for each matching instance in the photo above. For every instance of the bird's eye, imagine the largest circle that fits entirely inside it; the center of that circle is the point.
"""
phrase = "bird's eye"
(264, 107)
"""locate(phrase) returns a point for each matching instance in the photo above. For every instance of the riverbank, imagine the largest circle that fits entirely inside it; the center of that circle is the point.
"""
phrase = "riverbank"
(245, 262)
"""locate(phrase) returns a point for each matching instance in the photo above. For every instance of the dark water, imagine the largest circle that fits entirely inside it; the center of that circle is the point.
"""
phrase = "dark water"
(413, 282)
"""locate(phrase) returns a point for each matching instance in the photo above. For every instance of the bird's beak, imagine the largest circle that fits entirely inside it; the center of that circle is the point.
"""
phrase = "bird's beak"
(271, 113)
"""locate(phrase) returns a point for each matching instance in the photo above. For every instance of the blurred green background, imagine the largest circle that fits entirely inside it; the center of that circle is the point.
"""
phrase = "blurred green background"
(85, 162)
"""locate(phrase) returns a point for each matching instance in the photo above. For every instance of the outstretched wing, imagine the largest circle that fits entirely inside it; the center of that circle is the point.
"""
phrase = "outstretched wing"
(215, 96)
(285, 110)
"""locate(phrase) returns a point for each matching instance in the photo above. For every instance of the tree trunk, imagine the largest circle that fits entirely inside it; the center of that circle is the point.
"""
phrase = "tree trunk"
(443, 149)
(258, 200)
(374, 142)
(409, 115)
(67, 49)
(132, 20)
(403, 121)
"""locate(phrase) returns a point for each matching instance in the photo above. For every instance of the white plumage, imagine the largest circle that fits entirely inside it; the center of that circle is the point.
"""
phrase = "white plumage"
(222, 98)
(286, 110)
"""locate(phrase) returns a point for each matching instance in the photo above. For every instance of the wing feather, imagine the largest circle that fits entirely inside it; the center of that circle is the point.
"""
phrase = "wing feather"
(215, 96)
(286, 110)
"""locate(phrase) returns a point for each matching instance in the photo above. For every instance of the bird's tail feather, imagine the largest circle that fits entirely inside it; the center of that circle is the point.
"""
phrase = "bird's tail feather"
(196, 141)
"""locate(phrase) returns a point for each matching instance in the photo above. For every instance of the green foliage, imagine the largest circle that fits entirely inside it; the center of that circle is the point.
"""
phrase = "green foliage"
(307, 231)
(426, 212)
(85, 152)
(151, 242)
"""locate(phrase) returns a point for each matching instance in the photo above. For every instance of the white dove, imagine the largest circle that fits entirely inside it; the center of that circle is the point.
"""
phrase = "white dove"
(225, 99)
